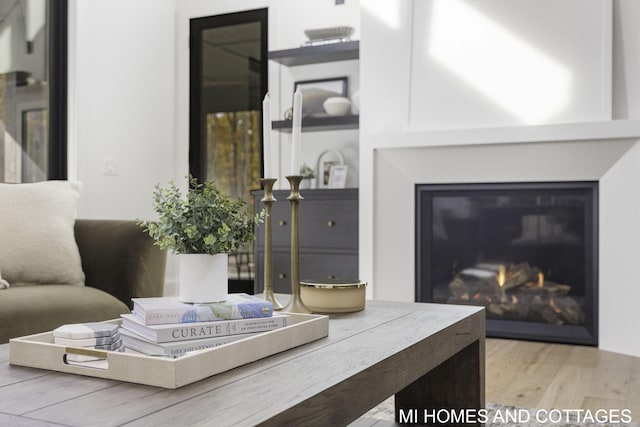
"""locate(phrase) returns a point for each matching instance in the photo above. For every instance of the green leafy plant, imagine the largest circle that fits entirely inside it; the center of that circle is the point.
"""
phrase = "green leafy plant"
(205, 222)
(307, 171)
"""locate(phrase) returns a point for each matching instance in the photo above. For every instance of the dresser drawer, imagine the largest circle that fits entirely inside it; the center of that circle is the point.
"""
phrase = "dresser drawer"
(329, 224)
(312, 267)
(322, 224)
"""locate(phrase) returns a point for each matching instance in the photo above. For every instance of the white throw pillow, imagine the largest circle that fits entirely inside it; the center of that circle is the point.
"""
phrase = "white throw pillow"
(37, 241)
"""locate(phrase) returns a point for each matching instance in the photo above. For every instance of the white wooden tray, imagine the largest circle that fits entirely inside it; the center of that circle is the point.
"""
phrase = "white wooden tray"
(39, 351)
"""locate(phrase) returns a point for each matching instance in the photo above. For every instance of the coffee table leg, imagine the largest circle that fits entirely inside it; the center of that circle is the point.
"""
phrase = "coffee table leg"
(439, 397)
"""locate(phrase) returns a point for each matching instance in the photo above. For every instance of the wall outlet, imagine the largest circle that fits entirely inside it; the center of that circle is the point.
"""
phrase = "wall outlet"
(111, 167)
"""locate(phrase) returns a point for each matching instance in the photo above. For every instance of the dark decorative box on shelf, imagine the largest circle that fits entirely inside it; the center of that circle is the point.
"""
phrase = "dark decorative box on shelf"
(328, 227)
(330, 52)
(310, 124)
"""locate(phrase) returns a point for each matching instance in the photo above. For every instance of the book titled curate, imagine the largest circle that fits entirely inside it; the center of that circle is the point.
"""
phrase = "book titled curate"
(197, 330)
(135, 342)
(163, 310)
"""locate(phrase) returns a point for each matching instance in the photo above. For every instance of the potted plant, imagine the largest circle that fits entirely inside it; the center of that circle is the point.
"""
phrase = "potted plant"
(202, 229)
(308, 175)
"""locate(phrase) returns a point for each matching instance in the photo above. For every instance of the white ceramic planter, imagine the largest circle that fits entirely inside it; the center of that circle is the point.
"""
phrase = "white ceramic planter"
(203, 278)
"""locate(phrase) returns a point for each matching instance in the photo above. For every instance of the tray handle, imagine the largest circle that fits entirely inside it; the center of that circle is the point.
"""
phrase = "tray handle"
(87, 352)
(100, 362)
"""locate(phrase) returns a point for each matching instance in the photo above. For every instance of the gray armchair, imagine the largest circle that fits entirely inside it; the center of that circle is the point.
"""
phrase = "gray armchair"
(120, 262)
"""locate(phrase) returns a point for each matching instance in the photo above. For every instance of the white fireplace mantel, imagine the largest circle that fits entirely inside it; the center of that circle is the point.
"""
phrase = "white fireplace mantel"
(607, 152)
(405, 138)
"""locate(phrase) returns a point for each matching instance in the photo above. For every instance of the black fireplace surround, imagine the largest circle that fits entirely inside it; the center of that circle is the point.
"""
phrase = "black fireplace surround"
(527, 252)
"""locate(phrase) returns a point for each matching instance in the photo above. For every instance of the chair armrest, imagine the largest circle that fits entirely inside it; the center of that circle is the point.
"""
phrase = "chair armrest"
(119, 258)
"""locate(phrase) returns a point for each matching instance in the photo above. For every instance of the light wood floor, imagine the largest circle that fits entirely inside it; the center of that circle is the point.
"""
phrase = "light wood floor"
(548, 376)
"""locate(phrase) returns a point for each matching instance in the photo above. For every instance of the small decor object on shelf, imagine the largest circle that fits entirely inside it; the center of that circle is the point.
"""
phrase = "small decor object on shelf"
(316, 92)
(338, 176)
(202, 229)
(308, 176)
(326, 161)
(318, 36)
(337, 106)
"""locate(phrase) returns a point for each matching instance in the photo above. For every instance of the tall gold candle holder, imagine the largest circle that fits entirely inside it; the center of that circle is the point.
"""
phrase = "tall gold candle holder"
(268, 201)
(295, 304)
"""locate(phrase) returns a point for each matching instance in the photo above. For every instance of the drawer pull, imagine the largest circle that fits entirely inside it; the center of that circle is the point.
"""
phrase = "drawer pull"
(282, 223)
(281, 276)
(331, 223)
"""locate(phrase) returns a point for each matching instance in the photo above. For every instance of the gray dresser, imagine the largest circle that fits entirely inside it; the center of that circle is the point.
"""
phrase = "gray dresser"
(328, 227)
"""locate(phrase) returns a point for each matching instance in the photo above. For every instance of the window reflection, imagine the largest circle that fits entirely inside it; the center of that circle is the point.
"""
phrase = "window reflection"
(24, 91)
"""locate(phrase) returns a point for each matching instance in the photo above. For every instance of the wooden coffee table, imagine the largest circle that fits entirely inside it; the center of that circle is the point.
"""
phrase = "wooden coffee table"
(428, 355)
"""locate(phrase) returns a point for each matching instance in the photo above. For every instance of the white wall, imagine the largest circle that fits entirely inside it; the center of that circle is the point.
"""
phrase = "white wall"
(460, 64)
(513, 62)
(626, 60)
(121, 104)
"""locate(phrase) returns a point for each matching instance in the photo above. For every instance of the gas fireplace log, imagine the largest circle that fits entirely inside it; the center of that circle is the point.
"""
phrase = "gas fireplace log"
(481, 279)
(520, 274)
(552, 288)
(547, 304)
(569, 309)
(467, 287)
(509, 310)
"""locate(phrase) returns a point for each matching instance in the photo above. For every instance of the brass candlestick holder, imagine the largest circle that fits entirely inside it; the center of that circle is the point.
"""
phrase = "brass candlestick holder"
(295, 303)
(268, 201)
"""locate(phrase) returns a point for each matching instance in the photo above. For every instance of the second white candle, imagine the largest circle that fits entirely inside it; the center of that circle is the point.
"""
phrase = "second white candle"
(266, 135)
(296, 133)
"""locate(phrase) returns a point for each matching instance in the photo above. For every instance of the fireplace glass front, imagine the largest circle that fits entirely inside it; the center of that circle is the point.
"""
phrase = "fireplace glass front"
(527, 252)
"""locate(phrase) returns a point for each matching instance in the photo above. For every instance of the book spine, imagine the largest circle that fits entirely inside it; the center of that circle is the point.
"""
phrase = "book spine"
(190, 331)
(205, 313)
(173, 315)
(180, 349)
(221, 328)
(177, 351)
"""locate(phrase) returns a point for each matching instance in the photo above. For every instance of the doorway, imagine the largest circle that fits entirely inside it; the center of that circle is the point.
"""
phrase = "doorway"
(228, 80)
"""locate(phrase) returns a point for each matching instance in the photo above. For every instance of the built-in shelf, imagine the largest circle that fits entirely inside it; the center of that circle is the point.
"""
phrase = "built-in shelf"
(316, 54)
(311, 124)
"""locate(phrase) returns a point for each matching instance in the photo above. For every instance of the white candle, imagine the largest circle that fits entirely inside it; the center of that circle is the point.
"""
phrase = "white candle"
(266, 135)
(296, 132)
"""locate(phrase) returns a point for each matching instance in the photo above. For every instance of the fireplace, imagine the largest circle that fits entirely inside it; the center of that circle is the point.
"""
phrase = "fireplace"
(527, 252)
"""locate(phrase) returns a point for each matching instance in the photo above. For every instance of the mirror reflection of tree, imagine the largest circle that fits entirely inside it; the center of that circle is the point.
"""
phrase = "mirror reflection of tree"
(233, 152)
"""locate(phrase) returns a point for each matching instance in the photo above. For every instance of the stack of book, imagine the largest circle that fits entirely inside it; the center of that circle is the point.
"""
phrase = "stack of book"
(165, 326)
(93, 335)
